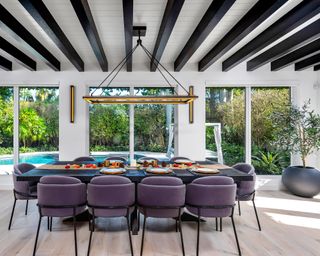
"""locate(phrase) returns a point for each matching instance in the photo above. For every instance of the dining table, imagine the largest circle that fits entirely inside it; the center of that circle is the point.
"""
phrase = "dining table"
(135, 173)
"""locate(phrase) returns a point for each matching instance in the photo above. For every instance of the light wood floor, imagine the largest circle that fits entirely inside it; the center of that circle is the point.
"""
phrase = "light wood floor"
(290, 226)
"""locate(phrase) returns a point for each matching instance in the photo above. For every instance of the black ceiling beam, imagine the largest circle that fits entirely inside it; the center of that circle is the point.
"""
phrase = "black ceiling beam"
(13, 27)
(294, 18)
(85, 17)
(316, 68)
(44, 18)
(297, 55)
(22, 58)
(250, 21)
(307, 63)
(211, 18)
(5, 64)
(302, 37)
(169, 19)
(128, 29)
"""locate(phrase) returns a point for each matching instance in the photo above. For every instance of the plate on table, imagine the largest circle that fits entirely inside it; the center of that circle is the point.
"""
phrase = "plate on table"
(158, 170)
(112, 170)
(204, 170)
(183, 161)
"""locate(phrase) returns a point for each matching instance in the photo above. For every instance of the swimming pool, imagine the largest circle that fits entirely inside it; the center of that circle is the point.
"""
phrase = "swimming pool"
(40, 158)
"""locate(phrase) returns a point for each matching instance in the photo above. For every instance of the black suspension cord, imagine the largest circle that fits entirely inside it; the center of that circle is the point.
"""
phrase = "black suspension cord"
(125, 59)
(150, 56)
(158, 62)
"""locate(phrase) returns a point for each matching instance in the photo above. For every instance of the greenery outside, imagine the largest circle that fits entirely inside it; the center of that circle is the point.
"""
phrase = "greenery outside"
(39, 119)
(227, 106)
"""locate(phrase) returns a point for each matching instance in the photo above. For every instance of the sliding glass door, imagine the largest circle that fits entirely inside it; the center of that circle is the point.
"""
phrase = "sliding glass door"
(225, 108)
(38, 124)
(264, 103)
(153, 124)
(109, 125)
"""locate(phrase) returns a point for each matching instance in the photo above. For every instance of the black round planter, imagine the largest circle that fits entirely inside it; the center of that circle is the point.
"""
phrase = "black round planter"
(302, 181)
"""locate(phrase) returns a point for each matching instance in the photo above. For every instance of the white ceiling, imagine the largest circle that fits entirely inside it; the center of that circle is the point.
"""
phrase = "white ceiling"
(109, 21)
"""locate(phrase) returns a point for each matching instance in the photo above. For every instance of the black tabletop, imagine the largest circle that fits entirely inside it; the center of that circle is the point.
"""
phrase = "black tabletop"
(135, 175)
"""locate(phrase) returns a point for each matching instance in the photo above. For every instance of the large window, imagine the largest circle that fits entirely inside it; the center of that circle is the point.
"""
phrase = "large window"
(226, 107)
(153, 123)
(38, 124)
(264, 102)
(6, 129)
(109, 124)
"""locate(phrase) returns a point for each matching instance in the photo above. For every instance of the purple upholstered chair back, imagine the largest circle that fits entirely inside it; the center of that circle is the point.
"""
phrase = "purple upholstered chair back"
(111, 191)
(117, 158)
(84, 158)
(146, 158)
(22, 186)
(161, 192)
(211, 191)
(61, 191)
(173, 159)
(245, 188)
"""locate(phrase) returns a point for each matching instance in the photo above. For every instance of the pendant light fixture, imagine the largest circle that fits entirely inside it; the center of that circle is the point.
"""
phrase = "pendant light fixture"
(188, 98)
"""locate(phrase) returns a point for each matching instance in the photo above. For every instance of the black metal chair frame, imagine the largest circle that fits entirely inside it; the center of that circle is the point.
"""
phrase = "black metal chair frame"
(74, 207)
(253, 194)
(178, 220)
(28, 197)
(200, 207)
(92, 224)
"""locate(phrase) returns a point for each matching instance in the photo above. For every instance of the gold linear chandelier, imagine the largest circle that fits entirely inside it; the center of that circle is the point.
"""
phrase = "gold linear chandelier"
(137, 99)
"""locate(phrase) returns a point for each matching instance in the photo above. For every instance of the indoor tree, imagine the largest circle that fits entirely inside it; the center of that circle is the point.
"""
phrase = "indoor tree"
(298, 130)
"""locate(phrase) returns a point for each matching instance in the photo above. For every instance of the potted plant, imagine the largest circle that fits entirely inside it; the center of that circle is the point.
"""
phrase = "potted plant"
(298, 130)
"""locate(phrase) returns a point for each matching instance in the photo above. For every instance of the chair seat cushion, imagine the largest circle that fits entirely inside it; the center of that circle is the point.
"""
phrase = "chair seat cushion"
(51, 212)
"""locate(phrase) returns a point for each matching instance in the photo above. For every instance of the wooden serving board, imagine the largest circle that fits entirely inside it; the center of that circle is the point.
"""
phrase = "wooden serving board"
(62, 167)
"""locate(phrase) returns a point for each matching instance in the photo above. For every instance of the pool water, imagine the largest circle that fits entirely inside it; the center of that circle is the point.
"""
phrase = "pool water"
(46, 158)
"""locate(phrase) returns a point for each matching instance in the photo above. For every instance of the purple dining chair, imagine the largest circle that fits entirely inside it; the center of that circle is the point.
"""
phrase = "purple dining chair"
(212, 197)
(84, 159)
(22, 190)
(110, 196)
(161, 197)
(246, 189)
(173, 159)
(60, 196)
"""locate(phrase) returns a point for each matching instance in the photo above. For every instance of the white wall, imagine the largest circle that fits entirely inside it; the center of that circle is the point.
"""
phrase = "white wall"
(190, 139)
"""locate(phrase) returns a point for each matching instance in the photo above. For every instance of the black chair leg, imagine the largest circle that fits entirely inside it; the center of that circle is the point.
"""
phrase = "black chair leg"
(91, 231)
(235, 234)
(255, 211)
(37, 236)
(176, 225)
(48, 218)
(75, 231)
(129, 232)
(198, 233)
(51, 224)
(181, 235)
(220, 224)
(216, 224)
(143, 230)
(26, 211)
(12, 212)
(239, 209)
